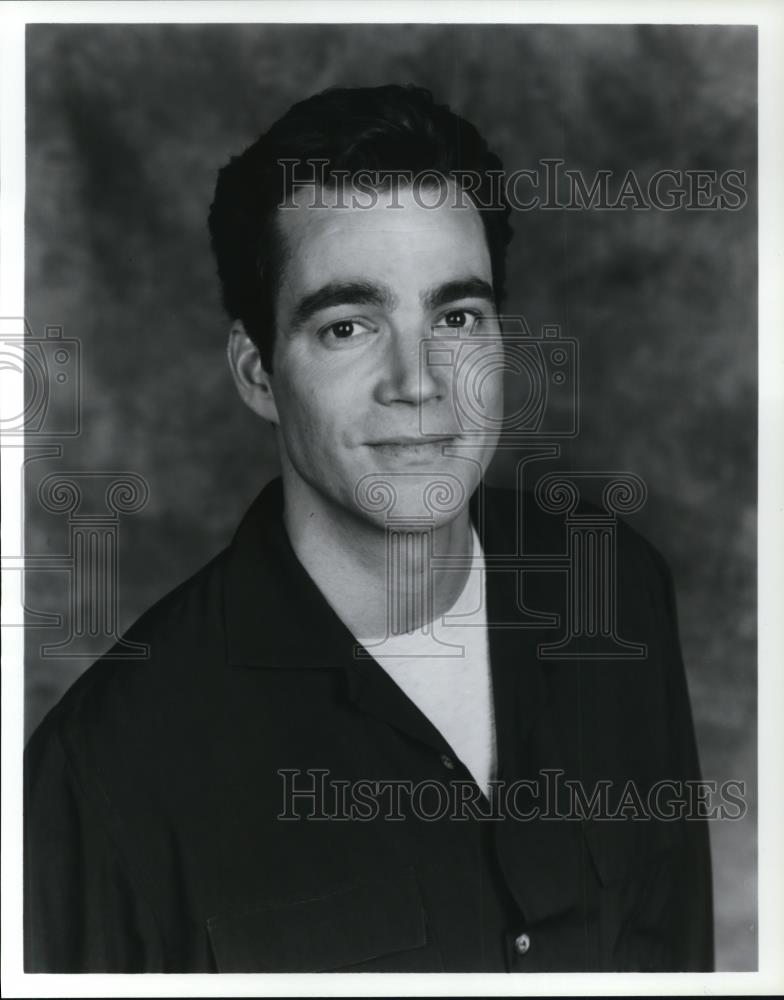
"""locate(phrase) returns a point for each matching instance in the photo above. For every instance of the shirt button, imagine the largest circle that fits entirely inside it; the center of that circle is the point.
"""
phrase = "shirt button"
(522, 944)
(447, 761)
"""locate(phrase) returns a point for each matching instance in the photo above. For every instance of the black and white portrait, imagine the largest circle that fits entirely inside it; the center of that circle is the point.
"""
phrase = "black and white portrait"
(389, 497)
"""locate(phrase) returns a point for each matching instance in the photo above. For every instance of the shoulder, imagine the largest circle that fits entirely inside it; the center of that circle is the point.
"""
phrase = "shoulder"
(541, 528)
(145, 684)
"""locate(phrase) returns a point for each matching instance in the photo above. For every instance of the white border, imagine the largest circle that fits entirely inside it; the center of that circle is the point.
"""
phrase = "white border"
(12, 191)
(398, 11)
(769, 16)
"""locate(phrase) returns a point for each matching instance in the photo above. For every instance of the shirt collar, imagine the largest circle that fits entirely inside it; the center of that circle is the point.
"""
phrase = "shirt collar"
(275, 615)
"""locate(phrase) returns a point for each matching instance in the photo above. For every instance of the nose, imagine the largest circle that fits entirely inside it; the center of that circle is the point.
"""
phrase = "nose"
(407, 376)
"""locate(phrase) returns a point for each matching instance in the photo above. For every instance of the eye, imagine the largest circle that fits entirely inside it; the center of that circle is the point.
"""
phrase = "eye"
(457, 319)
(344, 331)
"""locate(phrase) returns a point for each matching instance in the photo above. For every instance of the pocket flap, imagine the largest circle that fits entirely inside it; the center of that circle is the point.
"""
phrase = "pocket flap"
(619, 848)
(341, 928)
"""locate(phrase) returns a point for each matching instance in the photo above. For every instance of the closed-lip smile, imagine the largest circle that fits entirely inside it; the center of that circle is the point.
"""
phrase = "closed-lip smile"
(410, 442)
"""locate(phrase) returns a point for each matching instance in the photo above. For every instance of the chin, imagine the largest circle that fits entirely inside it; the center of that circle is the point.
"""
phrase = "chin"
(415, 498)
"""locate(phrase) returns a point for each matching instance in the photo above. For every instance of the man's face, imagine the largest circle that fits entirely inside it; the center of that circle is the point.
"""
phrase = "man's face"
(367, 414)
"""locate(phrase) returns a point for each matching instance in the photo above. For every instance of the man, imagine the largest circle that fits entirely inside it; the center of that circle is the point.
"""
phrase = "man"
(266, 792)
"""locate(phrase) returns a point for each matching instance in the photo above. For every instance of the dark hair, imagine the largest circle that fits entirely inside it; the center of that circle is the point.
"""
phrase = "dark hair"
(390, 129)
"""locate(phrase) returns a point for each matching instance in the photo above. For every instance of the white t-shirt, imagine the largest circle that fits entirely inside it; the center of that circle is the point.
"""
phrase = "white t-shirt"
(451, 686)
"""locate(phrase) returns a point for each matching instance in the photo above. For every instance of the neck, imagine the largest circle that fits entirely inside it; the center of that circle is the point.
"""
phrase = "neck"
(380, 581)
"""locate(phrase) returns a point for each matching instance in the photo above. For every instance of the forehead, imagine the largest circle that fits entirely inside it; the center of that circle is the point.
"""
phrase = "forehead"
(401, 236)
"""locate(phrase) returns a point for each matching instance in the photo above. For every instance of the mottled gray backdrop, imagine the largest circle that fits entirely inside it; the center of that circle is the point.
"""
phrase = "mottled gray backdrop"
(126, 128)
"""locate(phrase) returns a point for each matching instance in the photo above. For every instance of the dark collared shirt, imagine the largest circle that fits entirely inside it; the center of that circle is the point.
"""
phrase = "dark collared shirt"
(162, 833)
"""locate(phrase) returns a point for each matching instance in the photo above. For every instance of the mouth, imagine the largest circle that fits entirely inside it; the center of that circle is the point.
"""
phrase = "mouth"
(412, 442)
(428, 448)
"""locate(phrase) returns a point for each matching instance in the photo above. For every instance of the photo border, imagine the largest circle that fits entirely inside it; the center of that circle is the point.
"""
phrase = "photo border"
(769, 17)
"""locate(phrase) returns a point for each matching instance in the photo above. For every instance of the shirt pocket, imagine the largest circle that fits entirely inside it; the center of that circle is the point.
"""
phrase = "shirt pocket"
(373, 925)
(635, 863)
(624, 849)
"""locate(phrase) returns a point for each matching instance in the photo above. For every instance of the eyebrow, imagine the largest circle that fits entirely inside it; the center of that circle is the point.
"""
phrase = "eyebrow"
(344, 293)
(341, 293)
(452, 291)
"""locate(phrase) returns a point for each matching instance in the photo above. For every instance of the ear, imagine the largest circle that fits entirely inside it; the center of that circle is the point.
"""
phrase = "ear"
(253, 383)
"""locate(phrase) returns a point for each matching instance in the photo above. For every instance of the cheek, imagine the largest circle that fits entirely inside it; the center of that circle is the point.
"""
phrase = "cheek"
(494, 393)
(478, 386)
(312, 415)
(299, 421)
(499, 395)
